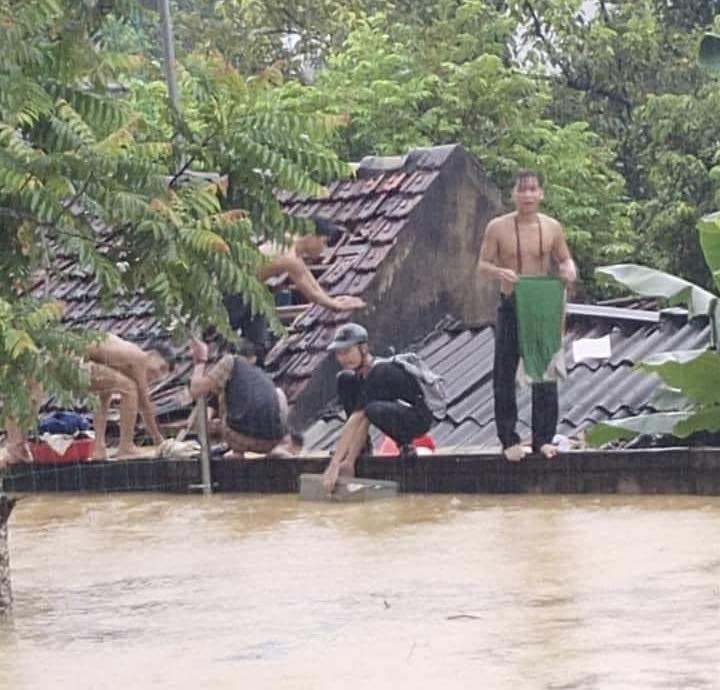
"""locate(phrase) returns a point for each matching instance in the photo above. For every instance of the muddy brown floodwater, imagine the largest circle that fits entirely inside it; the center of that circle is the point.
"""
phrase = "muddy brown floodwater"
(148, 591)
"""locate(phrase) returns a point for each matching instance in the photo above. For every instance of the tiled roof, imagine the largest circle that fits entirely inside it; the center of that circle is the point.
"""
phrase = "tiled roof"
(594, 390)
(131, 318)
(374, 208)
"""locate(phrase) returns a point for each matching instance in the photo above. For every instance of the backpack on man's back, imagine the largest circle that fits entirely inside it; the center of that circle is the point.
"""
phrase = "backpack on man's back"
(431, 384)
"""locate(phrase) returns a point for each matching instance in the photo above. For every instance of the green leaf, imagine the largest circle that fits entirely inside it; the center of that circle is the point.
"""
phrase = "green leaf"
(18, 342)
(695, 372)
(652, 283)
(667, 399)
(630, 427)
(709, 53)
(703, 419)
(709, 231)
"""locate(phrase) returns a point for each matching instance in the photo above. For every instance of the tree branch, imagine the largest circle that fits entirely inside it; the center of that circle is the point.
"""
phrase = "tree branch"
(604, 12)
(183, 169)
(572, 81)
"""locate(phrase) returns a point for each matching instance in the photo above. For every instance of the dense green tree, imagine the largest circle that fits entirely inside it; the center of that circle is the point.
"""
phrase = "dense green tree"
(514, 81)
(86, 175)
(630, 70)
(405, 86)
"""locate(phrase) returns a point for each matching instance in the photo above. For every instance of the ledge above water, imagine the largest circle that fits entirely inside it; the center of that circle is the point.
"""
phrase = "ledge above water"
(642, 471)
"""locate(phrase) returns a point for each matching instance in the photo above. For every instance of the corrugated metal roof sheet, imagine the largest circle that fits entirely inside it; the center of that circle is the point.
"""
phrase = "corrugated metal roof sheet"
(594, 390)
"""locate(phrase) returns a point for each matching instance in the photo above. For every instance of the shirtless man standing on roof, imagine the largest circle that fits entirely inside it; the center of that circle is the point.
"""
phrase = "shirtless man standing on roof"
(525, 242)
(120, 367)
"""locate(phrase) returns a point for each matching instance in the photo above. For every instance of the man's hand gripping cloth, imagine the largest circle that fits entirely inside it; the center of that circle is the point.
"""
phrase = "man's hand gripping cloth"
(539, 308)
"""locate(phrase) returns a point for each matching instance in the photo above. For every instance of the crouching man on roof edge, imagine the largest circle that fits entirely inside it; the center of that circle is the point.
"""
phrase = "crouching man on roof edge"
(381, 393)
(252, 412)
(523, 243)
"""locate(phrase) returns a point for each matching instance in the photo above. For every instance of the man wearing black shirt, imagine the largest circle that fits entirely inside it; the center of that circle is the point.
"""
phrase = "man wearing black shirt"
(379, 393)
(253, 413)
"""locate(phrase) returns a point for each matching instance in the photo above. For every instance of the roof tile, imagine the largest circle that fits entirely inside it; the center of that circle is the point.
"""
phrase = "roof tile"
(404, 207)
(419, 181)
(371, 206)
(387, 231)
(392, 182)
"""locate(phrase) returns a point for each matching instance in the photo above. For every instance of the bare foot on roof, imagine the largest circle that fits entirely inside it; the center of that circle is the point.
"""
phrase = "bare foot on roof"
(514, 453)
(233, 455)
(549, 451)
(99, 454)
(135, 452)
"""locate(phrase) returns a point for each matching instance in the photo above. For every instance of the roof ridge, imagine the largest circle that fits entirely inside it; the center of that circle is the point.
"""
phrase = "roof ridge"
(422, 157)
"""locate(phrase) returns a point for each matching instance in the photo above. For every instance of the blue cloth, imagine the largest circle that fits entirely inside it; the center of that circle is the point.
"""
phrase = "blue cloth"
(63, 422)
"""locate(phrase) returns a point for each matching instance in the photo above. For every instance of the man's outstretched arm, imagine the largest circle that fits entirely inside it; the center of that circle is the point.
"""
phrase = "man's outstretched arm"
(351, 442)
(202, 381)
(306, 283)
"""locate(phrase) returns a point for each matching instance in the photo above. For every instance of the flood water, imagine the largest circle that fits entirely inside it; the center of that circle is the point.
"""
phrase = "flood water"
(148, 591)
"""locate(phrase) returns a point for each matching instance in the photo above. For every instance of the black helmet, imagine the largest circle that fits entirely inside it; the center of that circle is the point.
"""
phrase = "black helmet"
(347, 335)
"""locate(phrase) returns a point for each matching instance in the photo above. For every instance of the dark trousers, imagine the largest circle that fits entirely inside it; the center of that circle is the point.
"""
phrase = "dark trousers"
(544, 395)
(399, 420)
(253, 327)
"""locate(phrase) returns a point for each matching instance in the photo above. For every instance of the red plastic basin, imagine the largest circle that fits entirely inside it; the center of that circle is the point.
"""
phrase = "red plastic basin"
(79, 449)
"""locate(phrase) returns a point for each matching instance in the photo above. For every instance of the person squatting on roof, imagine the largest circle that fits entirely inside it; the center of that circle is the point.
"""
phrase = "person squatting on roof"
(120, 367)
(523, 242)
(114, 367)
(252, 412)
(379, 393)
(252, 326)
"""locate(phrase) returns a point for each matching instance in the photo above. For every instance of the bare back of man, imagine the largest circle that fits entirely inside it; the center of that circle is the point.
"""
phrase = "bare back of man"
(119, 367)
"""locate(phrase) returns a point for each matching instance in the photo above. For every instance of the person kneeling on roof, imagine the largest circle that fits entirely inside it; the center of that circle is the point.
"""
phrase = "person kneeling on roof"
(252, 412)
(378, 392)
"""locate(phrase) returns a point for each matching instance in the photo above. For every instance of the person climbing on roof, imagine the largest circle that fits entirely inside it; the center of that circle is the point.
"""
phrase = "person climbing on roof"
(381, 393)
(523, 243)
(252, 413)
(253, 327)
(117, 366)
(114, 366)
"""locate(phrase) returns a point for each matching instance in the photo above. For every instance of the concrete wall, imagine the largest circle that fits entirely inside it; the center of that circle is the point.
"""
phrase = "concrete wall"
(432, 269)
(643, 471)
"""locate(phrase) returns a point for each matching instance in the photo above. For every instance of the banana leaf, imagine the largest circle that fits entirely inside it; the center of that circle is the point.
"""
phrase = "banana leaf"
(667, 399)
(695, 372)
(709, 232)
(630, 427)
(649, 282)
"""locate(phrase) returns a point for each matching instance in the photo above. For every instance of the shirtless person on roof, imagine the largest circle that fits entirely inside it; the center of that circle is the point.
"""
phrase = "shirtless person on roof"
(291, 261)
(114, 367)
(119, 367)
(525, 242)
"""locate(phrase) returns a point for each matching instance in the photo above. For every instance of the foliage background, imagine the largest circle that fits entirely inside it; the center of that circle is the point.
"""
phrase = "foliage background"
(605, 98)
